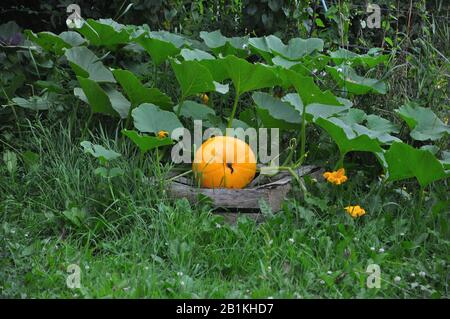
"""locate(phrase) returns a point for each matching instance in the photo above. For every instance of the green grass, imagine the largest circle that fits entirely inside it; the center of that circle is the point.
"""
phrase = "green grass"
(135, 242)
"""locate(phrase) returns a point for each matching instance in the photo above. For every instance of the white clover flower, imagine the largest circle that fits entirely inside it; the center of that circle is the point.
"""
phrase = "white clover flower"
(218, 225)
(372, 248)
(402, 234)
(397, 279)
(322, 282)
(413, 274)
(182, 283)
(291, 240)
(180, 273)
(381, 250)
(339, 69)
(270, 242)
(329, 272)
(86, 267)
(269, 269)
(270, 297)
(422, 274)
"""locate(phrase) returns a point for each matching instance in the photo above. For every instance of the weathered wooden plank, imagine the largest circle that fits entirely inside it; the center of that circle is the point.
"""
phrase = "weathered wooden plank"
(272, 192)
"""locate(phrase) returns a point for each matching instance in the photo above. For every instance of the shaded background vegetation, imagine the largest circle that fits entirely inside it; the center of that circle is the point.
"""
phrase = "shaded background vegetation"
(415, 32)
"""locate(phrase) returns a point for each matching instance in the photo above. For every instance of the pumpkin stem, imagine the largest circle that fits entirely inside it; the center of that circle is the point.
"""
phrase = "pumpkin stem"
(230, 166)
(233, 111)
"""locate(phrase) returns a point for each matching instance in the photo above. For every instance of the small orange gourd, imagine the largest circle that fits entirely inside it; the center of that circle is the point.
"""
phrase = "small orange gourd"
(224, 162)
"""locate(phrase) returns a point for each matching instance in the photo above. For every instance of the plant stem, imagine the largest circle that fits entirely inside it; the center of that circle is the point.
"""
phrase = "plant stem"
(128, 121)
(292, 150)
(233, 112)
(155, 75)
(340, 163)
(141, 159)
(421, 196)
(180, 104)
(303, 138)
(88, 122)
(180, 175)
(111, 189)
(17, 120)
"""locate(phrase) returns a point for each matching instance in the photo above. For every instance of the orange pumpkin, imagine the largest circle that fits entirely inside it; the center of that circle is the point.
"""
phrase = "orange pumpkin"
(224, 161)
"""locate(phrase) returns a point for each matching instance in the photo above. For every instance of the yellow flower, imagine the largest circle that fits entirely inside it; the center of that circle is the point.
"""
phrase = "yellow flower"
(337, 177)
(355, 211)
(163, 134)
(205, 98)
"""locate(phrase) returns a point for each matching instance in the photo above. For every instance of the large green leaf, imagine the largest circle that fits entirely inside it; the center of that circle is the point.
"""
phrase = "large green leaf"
(247, 76)
(349, 134)
(138, 93)
(370, 59)
(347, 78)
(308, 65)
(226, 46)
(316, 110)
(404, 162)
(8, 33)
(35, 103)
(86, 64)
(294, 50)
(275, 113)
(104, 32)
(377, 123)
(346, 139)
(56, 43)
(214, 66)
(446, 159)
(193, 77)
(308, 91)
(99, 151)
(177, 40)
(195, 55)
(194, 110)
(149, 118)
(145, 142)
(161, 45)
(423, 123)
(159, 50)
(379, 128)
(110, 102)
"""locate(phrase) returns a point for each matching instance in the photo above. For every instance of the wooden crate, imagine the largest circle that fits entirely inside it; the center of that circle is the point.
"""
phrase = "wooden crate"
(272, 190)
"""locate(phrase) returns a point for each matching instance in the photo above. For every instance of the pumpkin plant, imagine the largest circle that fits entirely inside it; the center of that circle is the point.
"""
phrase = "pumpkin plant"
(285, 81)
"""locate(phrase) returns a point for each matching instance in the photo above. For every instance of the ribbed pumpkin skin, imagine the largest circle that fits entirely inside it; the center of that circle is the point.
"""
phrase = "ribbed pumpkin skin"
(224, 162)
